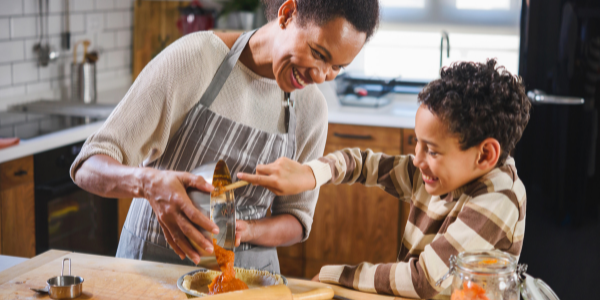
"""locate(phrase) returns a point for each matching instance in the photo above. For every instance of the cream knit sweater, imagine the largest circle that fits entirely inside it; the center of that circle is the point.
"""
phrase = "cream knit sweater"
(137, 131)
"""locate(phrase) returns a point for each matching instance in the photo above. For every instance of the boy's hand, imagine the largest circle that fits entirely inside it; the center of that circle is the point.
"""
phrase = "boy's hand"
(283, 177)
(316, 278)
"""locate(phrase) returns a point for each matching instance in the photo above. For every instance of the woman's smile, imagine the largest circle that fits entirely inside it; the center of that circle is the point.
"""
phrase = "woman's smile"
(298, 81)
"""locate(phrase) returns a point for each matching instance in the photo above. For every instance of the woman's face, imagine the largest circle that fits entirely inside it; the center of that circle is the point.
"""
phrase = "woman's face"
(312, 54)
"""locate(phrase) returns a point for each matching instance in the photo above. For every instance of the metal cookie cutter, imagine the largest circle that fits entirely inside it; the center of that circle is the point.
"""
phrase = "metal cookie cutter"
(63, 286)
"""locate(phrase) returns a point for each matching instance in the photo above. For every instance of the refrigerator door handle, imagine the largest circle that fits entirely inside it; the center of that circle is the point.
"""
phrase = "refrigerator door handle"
(539, 97)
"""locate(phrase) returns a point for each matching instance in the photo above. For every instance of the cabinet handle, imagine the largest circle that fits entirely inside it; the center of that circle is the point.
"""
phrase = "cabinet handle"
(20, 173)
(353, 136)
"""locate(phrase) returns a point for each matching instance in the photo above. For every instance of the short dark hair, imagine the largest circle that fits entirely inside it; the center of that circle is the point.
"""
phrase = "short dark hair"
(479, 101)
(362, 14)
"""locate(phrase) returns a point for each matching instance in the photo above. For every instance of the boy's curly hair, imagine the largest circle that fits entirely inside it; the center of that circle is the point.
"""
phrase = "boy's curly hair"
(478, 101)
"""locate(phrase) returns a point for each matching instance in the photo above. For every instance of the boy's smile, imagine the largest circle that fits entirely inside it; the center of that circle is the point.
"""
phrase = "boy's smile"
(444, 165)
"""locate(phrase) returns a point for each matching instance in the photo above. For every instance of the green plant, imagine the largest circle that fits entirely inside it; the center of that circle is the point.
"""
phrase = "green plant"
(240, 5)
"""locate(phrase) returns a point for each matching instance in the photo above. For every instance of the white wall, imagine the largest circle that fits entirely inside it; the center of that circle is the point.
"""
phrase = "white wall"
(107, 24)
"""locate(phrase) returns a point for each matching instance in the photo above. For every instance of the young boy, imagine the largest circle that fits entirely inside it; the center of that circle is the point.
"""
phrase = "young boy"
(462, 185)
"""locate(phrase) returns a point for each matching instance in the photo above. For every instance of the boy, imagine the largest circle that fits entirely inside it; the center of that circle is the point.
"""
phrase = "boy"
(462, 185)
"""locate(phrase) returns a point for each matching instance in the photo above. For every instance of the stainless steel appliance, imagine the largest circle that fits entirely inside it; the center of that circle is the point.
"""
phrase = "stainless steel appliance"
(557, 158)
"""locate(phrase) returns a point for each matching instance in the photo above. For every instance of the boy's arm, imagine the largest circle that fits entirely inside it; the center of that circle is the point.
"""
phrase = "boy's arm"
(489, 221)
(394, 174)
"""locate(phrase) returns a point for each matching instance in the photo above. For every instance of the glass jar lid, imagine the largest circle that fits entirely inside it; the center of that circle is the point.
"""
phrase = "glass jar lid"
(536, 289)
(486, 262)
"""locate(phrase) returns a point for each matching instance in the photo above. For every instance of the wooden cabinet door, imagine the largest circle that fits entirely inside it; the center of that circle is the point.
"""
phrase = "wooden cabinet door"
(17, 208)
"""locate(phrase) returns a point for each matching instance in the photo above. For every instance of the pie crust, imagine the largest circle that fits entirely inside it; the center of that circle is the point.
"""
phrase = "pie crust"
(198, 282)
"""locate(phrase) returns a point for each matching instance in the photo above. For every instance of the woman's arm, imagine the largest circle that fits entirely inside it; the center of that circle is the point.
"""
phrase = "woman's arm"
(275, 231)
(164, 190)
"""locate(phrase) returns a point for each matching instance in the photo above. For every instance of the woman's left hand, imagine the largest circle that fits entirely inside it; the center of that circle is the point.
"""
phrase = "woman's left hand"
(243, 231)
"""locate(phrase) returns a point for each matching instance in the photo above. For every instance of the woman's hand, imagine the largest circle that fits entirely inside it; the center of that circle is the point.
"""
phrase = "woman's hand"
(243, 231)
(177, 215)
(283, 177)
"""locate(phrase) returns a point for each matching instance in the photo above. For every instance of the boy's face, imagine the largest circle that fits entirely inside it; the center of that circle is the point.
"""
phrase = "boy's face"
(444, 166)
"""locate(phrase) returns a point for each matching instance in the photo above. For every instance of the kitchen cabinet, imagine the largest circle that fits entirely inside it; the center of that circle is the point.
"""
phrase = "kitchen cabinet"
(17, 208)
(353, 223)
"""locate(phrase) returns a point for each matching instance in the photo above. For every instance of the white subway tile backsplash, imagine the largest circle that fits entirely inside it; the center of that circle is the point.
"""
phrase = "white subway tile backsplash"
(106, 23)
(24, 72)
(82, 5)
(105, 4)
(21, 27)
(7, 132)
(5, 75)
(4, 28)
(11, 7)
(106, 40)
(124, 38)
(95, 22)
(124, 3)
(55, 24)
(118, 20)
(11, 51)
(12, 91)
(77, 23)
(38, 87)
(31, 7)
(27, 130)
(55, 70)
(57, 5)
(118, 58)
(11, 119)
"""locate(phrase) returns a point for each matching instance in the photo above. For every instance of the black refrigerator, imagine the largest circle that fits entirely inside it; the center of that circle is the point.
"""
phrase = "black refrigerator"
(557, 157)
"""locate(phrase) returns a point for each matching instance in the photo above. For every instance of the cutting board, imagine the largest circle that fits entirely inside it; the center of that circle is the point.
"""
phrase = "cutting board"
(114, 278)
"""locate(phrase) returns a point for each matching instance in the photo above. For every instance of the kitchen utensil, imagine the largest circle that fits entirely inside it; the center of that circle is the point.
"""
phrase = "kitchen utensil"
(493, 275)
(83, 77)
(42, 48)
(65, 36)
(219, 206)
(63, 286)
(233, 186)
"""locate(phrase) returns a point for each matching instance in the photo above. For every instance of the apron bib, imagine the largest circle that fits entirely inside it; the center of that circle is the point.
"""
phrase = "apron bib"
(204, 137)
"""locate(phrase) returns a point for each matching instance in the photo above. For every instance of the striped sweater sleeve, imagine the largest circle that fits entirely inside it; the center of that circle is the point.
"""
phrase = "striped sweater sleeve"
(394, 174)
(488, 221)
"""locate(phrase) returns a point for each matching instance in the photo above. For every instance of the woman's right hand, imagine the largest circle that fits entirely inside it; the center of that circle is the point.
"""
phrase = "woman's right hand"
(166, 193)
(283, 177)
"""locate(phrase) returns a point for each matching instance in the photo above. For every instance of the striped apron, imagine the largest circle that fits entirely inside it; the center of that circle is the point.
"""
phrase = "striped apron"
(205, 137)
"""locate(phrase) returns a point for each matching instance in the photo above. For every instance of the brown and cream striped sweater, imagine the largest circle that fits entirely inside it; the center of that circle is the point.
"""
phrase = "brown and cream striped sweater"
(488, 213)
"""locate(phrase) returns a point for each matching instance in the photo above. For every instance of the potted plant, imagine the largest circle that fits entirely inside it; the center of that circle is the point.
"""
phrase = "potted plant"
(240, 14)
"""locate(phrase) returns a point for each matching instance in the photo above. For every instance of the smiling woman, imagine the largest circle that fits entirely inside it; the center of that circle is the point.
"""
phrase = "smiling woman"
(212, 96)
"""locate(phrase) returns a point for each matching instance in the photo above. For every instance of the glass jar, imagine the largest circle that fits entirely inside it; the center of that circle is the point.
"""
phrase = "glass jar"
(493, 275)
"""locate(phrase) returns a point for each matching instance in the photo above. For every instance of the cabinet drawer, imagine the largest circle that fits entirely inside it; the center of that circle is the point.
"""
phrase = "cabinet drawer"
(363, 136)
(409, 141)
(16, 172)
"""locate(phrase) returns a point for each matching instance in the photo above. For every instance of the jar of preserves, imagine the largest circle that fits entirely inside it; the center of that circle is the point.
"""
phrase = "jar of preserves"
(493, 275)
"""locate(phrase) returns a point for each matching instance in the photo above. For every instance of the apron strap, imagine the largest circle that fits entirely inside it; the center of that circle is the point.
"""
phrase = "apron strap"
(224, 69)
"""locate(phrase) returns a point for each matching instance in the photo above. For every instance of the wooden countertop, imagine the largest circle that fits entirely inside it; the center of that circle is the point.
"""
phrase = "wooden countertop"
(116, 278)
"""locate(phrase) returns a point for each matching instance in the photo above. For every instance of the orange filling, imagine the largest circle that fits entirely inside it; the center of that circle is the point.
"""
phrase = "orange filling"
(226, 282)
(470, 291)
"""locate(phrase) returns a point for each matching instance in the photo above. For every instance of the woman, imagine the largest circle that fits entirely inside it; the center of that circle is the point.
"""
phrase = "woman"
(160, 130)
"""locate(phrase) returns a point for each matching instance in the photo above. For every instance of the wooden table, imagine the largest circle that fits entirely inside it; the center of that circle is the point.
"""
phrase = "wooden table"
(117, 278)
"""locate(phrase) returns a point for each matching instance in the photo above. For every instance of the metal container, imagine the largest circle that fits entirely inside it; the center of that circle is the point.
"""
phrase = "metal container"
(65, 287)
(83, 77)
(219, 207)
